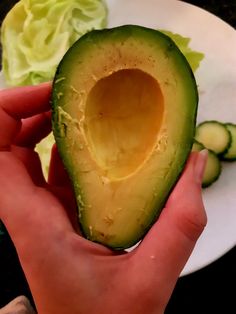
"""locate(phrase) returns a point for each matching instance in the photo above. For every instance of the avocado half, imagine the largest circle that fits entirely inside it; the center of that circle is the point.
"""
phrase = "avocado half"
(124, 111)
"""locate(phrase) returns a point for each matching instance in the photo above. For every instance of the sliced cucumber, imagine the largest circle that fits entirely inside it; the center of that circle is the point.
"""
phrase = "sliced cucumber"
(214, 136)
(197, 147)
(230, 154)
(213, 165)
(212, 170)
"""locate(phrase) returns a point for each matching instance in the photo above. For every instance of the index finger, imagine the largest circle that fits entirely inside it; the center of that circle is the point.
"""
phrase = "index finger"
(24, 102)
(18, 103)
(166, 248)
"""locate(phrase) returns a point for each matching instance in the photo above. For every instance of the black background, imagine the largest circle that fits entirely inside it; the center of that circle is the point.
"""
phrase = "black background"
(210, 290)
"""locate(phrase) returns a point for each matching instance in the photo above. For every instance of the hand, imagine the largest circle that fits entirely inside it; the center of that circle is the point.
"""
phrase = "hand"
(67, 273)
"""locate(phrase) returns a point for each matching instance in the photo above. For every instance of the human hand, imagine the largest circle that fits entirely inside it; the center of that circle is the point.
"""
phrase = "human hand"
(67, 273)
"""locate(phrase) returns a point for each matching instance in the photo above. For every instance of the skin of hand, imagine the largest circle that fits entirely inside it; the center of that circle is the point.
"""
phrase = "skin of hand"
(67, 273)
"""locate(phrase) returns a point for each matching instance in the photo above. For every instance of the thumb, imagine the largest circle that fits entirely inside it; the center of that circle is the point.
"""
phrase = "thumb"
(168, 245)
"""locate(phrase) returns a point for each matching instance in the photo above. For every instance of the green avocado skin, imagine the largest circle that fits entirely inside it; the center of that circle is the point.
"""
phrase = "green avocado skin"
(77, 68)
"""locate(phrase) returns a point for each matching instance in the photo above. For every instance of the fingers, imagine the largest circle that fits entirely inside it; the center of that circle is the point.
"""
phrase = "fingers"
(24, 102)
(32, 215)
(32, 163)
(17, 104)
(33, 130)
(9, 127)
(168, 245)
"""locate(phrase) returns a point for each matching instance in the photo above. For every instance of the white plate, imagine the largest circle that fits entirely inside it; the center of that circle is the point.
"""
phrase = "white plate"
(216, 79)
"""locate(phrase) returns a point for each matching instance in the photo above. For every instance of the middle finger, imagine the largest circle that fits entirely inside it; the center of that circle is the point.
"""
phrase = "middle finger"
(33, 130)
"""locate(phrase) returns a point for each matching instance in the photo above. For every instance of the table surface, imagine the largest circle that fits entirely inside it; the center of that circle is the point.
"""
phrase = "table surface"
(208, 290)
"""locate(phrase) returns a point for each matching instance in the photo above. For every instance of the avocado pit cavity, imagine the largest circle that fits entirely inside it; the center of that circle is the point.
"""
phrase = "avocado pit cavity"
(123, 116)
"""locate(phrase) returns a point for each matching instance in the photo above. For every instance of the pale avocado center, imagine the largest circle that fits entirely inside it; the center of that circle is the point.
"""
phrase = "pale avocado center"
(123, 115)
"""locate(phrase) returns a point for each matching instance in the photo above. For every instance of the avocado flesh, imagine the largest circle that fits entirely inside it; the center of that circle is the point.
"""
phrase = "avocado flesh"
(124, 109)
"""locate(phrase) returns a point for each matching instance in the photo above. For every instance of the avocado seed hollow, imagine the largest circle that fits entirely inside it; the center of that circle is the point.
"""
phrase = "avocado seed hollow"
(123, 115)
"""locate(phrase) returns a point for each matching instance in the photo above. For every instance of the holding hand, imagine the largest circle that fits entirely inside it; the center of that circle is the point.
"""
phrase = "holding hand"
(67, 273)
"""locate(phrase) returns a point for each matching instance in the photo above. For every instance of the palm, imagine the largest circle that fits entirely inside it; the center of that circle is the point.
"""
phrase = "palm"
(101, 281)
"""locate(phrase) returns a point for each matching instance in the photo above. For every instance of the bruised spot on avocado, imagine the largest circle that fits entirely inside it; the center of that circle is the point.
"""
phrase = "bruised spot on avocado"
(169, 49)
(129, 106)
(104, 236)
(108, 220)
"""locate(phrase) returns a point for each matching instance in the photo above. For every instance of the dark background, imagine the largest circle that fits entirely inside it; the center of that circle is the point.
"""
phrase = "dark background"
(211, 290)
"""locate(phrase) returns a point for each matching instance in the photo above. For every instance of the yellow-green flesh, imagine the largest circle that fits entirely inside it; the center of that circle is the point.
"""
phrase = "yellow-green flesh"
(124, 109)
(120, 130)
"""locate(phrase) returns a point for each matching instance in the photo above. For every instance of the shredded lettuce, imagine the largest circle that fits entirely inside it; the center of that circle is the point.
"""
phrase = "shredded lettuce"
(194, 58)
(36, 34)
(44, 150)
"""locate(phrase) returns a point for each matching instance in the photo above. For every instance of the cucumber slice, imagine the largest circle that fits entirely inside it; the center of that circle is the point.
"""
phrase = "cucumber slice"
(213, 166)
(197, 147)
(212, 170)
(214, 136)
(230, 154)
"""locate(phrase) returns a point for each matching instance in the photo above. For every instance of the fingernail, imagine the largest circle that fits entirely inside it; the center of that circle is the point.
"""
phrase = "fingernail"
(200, 165)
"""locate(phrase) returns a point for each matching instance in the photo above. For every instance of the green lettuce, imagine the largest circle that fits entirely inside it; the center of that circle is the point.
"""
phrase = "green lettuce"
(194, 58)
(36, 34)
(44, 150)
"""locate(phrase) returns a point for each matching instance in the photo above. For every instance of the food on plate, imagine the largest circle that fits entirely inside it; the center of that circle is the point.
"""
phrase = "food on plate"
(220, 140)
(214, 136)
(193, 57)
(43, 148)
(36, 34)
(123, 127)
(213, 166)
(230, 154)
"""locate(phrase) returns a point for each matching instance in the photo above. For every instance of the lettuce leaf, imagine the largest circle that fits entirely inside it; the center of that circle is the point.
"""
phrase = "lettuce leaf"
(194, 58)
(44, 150)
(36, 34)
